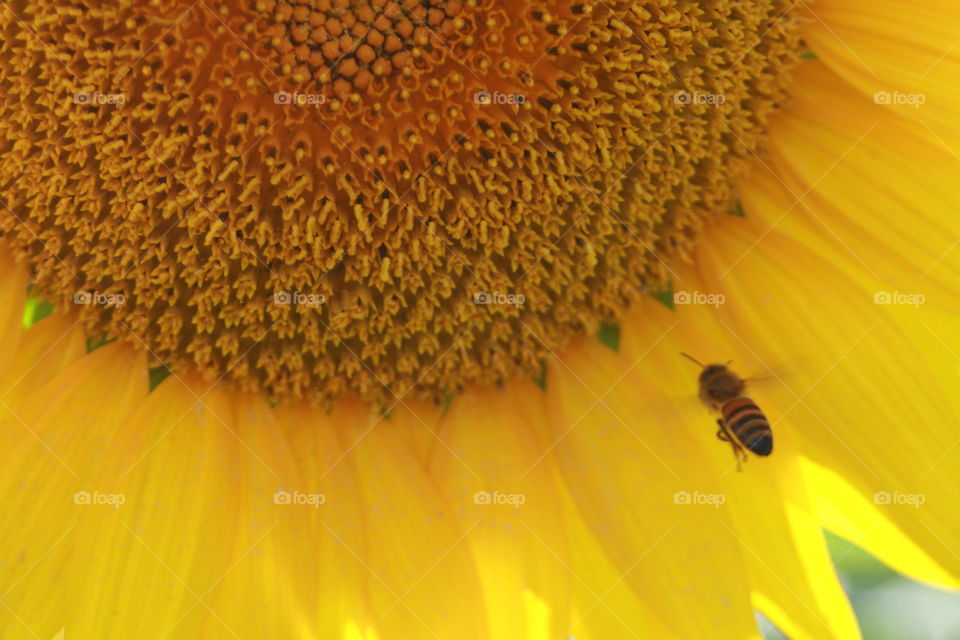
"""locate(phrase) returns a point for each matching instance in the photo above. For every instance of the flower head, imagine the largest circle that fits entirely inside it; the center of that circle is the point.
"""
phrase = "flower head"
(278, 189)
(403, 210)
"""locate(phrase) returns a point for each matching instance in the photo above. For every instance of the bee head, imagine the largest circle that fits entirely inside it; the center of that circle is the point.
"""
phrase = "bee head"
(718, 385)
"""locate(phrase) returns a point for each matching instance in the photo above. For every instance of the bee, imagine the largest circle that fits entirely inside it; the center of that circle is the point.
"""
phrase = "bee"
(742, 424)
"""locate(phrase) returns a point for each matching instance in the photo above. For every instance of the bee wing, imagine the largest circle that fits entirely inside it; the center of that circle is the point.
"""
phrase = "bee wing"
(668, 404)
(763, 379)
(775, 386)
(687, 401)
(774, 381)
(766, 373)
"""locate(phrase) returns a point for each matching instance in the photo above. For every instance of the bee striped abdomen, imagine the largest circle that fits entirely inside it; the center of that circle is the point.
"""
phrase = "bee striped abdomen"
(747, 422)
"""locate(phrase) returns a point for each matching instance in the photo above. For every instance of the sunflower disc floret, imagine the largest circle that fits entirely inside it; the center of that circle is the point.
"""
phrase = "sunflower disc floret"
(317, 197)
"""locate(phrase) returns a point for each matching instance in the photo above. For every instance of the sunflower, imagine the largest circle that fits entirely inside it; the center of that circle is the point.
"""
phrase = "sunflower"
(363, 318)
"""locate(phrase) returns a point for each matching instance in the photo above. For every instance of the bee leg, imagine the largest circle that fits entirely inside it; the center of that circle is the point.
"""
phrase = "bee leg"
(738, 451)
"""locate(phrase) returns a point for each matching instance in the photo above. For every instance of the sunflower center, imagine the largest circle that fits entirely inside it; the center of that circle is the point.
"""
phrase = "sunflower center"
(353, 45)
(319, 197)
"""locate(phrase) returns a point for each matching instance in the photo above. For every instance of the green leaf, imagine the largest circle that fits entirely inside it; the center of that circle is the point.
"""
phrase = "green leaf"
(665, 297)
(447, 400)
(809, 55)
(35, 310)
(94, 343)
(158, 374)
(541, 379)
(609, 335)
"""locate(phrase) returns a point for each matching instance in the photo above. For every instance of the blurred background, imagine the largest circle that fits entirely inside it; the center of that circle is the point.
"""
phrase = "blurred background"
(888, 605)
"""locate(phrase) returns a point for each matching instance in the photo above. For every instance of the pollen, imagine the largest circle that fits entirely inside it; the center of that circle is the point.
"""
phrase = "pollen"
(315, 198)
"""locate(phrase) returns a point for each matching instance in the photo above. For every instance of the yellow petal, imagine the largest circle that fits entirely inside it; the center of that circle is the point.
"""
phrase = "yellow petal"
(906, 47)
(791, 574)
(147, 566)
(13, 292)
(44, 350)
(299, 543)
(414, 543)
(854, 517)
(52, 448)
(424, 417)
(867, 389)
(605, 603)
(626, 463)
(874, 196)
(486, 463)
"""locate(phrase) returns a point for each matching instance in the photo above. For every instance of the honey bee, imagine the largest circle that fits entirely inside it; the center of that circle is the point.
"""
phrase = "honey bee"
(742, 424)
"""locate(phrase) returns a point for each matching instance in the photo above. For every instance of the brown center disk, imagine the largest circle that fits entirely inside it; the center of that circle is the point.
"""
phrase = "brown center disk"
(323, 197)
